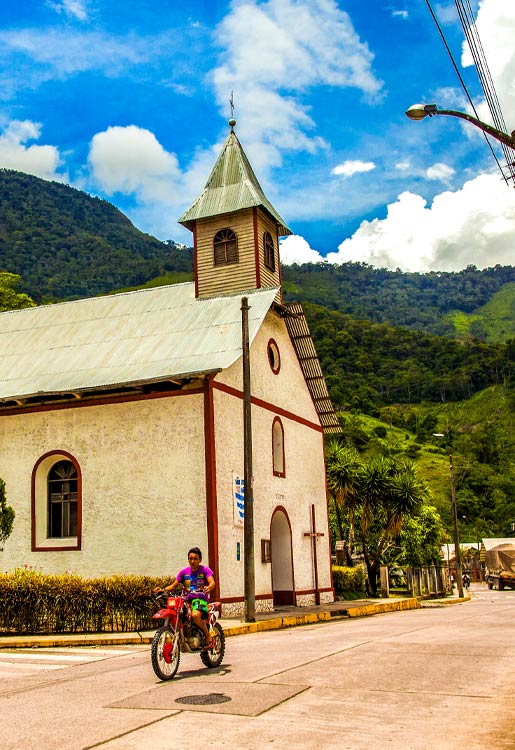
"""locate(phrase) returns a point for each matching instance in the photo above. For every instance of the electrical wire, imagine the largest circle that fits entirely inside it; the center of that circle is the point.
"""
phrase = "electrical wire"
(468, 23)
(463, 84)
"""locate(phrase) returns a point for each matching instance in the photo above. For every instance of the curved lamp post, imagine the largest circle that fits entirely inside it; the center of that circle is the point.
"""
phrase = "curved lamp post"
(419, 111)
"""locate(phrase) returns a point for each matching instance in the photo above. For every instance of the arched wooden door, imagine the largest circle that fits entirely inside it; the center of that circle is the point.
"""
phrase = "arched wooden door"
(282, 558)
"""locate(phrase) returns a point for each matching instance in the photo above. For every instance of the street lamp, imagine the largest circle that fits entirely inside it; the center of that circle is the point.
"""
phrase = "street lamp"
(419, 111)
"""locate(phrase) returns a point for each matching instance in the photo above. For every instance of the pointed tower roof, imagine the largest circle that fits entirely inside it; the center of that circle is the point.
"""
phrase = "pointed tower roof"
(232, 186)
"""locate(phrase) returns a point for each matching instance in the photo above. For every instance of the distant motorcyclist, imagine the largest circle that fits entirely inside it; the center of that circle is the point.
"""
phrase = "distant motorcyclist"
(466, 580)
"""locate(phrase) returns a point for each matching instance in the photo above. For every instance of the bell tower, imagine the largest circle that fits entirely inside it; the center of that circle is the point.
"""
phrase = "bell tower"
(235, 228)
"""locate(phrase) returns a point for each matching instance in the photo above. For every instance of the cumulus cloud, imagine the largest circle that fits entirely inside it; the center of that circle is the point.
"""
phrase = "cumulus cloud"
(42, 161)
(130, 160)
(273, 53)
(295, 249)
(440, 172)
(351, 167)
(473, 225)
(400, 14)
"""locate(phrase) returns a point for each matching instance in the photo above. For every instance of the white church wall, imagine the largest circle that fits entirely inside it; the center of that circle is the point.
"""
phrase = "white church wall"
(143, 484)
(303, 484)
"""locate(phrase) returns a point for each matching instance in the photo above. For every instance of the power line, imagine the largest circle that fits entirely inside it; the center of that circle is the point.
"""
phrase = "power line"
(463, 84)
(476, 48)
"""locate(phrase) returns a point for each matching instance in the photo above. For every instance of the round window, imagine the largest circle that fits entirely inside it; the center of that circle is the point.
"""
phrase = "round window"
(274, 356)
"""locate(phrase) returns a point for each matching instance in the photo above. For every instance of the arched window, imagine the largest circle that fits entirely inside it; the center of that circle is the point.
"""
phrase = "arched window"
(278, 448)
(268, 251)
(62, 500)
(56, 503)
(225, 247)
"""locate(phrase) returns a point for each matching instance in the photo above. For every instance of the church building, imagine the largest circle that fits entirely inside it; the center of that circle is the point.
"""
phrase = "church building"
(121, 417)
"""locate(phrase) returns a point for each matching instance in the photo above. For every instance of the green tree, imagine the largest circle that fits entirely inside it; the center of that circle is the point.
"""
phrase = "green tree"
(344, 474)
(420, 538)
(10, 298)
(6, 516)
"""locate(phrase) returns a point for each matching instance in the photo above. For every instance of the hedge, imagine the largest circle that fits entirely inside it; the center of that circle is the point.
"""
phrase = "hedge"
(34, 602)
(349, 581)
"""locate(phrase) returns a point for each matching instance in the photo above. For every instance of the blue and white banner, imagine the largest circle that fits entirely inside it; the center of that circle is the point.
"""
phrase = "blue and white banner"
(238, 492)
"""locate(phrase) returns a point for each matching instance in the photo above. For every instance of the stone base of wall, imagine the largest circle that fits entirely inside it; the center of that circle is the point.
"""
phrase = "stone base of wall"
(237, 609)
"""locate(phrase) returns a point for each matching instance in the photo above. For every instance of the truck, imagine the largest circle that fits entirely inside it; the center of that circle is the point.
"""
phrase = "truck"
(500, 566)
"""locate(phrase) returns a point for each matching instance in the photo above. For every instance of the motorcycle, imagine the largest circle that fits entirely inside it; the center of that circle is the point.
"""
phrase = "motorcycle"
(179, 635)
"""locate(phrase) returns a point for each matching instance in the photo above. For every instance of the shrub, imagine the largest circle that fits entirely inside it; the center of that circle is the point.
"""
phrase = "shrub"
(348, 582)
(33, 602)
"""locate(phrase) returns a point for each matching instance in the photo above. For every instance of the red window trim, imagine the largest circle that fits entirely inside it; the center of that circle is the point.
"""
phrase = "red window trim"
(282, 473)
(74, 461)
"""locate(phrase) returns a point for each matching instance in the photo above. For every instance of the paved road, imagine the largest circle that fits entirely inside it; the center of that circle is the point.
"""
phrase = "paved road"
(440, 678)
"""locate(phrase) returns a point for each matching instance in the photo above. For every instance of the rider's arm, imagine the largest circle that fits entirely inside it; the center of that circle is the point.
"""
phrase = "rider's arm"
(210, 585)
(173, 585)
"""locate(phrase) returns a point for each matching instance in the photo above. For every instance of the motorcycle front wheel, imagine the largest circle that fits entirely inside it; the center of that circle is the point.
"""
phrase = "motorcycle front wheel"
(214, 657)
(165, 653)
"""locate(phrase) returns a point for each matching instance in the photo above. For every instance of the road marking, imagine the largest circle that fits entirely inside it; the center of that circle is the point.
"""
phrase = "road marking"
(23, 662)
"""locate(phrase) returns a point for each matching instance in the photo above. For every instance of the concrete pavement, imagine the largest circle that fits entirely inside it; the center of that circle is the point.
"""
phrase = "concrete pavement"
(281, 617)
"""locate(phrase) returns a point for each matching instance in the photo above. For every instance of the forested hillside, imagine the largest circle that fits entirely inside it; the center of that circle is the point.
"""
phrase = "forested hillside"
(65, 243)
(368, 365)
(423, 302)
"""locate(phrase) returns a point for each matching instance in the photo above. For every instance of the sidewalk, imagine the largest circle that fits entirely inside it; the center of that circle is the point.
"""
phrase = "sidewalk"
(281, 617)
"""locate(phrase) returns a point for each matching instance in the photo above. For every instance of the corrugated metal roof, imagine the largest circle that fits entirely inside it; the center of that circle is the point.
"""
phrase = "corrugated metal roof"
(232, 186)
(300, 335)
(150, 334)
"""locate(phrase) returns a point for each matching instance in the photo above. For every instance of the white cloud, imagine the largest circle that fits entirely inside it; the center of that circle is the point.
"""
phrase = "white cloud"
(295, 249)
(473, 225)
(403, 166)
(351, 167)
(440, 171)
(42, 161)
(75, 8)
(273, 54)
(400, 14)
(130, 160)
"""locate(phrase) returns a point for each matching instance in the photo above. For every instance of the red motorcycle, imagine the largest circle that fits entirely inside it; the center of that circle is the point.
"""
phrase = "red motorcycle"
(179, 634)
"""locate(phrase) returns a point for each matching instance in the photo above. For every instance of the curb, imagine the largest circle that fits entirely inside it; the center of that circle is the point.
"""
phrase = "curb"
(276, 623)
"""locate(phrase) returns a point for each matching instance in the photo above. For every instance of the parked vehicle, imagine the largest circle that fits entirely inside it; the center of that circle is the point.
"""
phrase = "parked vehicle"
(179, 635)
(500, 563)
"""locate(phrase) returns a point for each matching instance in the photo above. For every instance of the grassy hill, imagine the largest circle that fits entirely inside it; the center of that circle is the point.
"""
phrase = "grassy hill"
(493, 322)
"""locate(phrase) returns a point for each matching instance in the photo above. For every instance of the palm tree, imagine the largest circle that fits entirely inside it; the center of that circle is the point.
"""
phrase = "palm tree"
(390, 491)
(344, 473)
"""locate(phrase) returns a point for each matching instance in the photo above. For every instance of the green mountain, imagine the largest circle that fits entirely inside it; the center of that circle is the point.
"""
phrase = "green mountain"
(65, 243)
(441, 303)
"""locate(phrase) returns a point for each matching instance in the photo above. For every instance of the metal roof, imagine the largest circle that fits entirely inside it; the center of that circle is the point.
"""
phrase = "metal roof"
(124, 339)
(298, 329)
(232, 186)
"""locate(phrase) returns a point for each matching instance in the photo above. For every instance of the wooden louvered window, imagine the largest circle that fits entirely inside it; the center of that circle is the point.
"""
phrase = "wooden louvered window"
(225, 247)
(62, 500)
(268, 251)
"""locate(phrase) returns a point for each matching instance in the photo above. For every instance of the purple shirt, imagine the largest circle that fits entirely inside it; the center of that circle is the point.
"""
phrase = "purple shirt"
(197, 580)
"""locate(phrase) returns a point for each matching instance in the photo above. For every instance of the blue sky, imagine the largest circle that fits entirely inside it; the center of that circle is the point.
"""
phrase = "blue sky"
(130, 101)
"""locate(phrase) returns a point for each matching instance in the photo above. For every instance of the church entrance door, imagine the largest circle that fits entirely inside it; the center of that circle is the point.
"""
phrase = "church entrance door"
(282, 558)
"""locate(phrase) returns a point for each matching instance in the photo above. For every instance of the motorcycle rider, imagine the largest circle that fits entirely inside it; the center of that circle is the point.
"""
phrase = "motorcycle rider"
(199, 581)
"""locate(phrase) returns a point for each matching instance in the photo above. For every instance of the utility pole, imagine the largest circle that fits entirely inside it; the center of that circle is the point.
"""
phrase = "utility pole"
(457, 551)
(248, 528)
